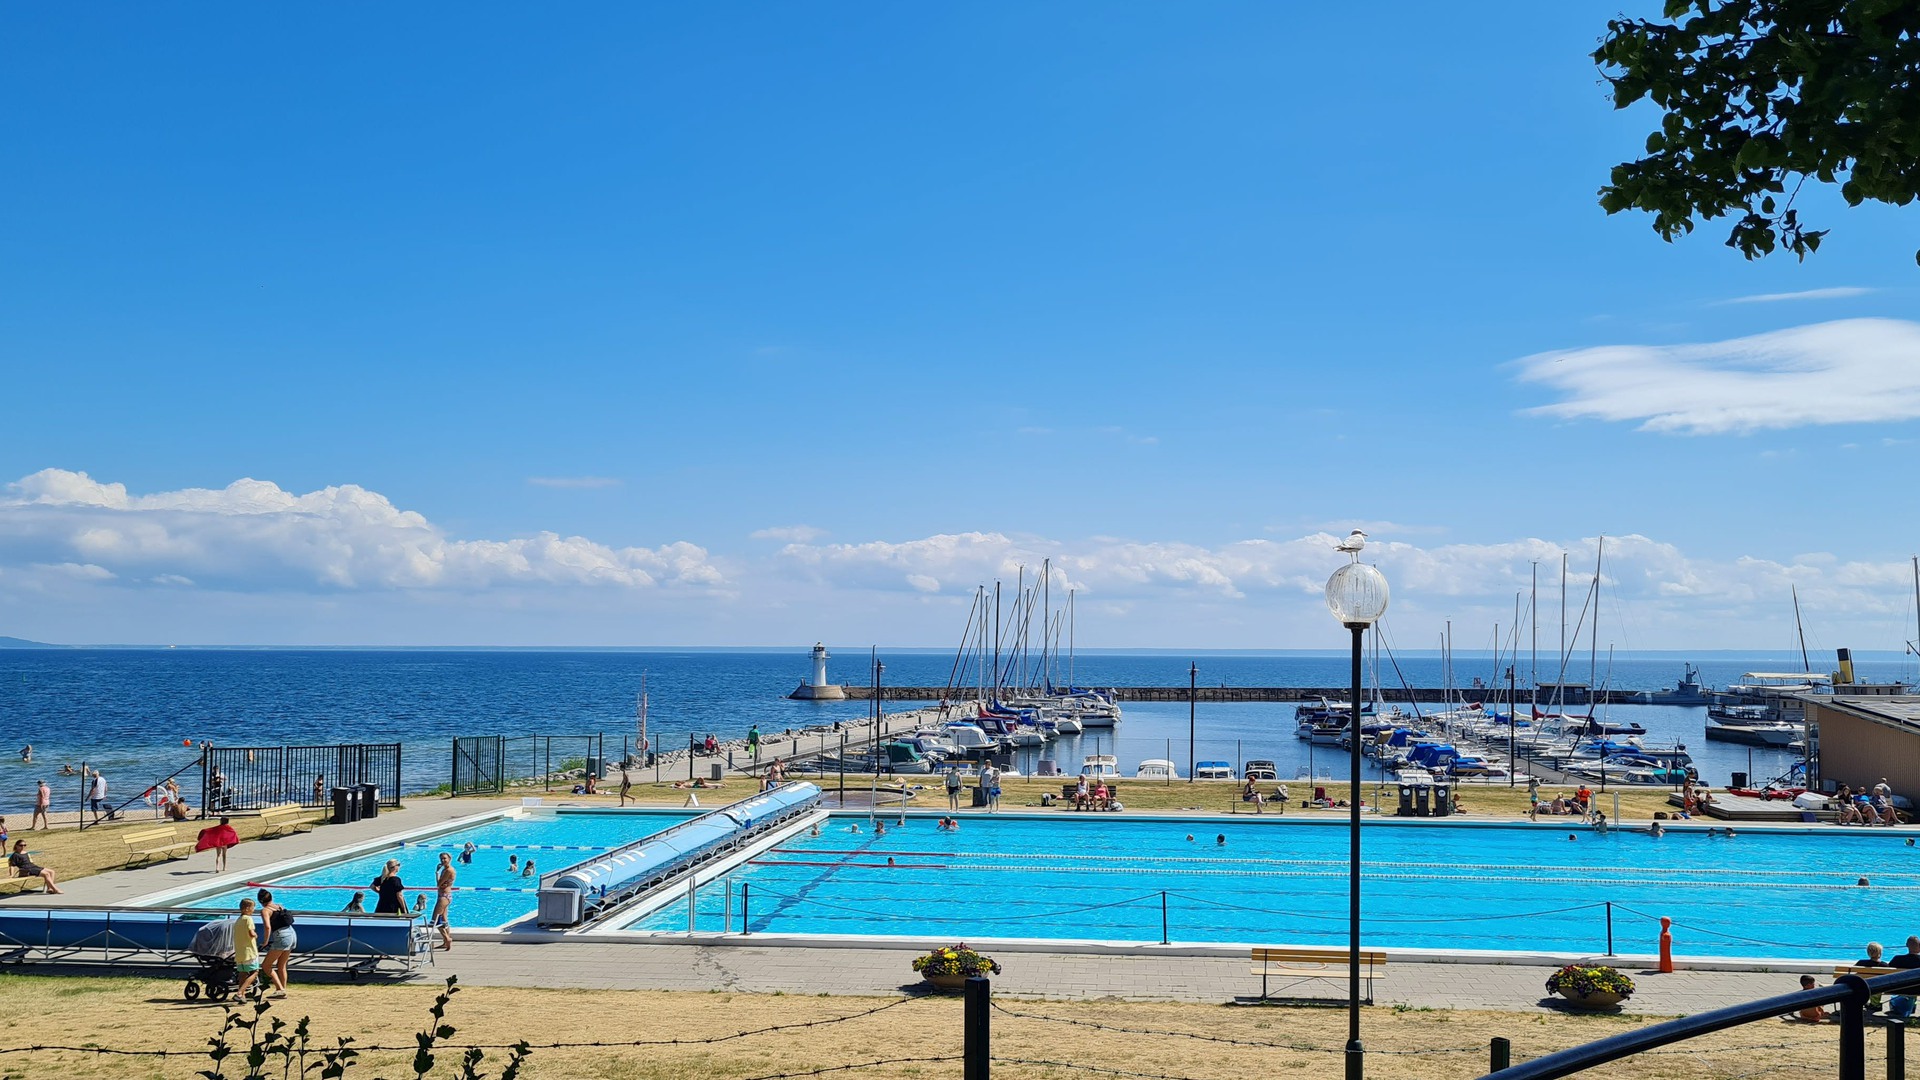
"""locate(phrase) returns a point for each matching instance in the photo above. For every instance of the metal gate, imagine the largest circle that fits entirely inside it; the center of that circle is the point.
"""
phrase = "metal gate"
(479, 764)
(254, 777)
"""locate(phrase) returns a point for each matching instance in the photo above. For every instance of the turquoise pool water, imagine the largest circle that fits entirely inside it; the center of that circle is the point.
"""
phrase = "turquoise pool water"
(489, 894)
(1424, 886)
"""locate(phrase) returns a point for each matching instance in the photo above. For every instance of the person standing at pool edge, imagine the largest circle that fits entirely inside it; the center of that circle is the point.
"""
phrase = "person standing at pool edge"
(246, 949)
(443, 899)
(953, 788)
(390, 891)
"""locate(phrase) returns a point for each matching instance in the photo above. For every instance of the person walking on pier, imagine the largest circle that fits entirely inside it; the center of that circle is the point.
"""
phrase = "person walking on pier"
(626, 785)
(42, 803)
(97, 797)
(753, 742)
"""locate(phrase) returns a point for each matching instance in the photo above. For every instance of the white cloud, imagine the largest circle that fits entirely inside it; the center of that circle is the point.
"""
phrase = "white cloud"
(1851, 371)
(1839, 292)
(574, 481)
(254, 535)
(799, 534)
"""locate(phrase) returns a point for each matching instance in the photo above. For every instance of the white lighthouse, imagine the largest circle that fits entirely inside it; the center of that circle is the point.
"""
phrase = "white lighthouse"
(819, 689)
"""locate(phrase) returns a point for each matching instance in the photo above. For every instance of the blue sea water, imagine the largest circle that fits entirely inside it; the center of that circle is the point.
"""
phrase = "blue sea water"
(129, 710)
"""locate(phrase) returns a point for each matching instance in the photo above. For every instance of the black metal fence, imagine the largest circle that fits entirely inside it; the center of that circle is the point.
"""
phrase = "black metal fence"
(479, 764)
(254, 777)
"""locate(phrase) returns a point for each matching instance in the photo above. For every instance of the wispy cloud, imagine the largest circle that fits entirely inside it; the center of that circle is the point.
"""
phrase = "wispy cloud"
(796, 534)
(1838, 292)
(574, 481)
(1850, 371)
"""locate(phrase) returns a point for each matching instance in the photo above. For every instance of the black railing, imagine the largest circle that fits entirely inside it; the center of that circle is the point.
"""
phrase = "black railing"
(1850, 992)
(254, 777)
(479, 764)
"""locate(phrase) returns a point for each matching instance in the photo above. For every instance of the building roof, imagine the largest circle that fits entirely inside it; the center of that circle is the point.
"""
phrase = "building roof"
(1901, 711)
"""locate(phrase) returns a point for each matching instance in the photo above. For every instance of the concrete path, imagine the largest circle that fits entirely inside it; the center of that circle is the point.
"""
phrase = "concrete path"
(751, 969)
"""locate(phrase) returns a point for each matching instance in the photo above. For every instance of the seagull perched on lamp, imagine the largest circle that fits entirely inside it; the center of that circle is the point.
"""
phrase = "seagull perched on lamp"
(1352, 544)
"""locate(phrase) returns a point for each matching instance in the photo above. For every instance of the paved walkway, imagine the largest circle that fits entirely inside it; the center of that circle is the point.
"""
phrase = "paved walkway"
(751, 969)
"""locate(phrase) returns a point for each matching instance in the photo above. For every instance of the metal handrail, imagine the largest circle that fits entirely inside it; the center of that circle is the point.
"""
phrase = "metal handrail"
(1850, 992)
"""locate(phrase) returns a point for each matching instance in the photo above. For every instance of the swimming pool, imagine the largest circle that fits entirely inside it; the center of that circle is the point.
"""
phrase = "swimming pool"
(490, 894)
(1425, 886)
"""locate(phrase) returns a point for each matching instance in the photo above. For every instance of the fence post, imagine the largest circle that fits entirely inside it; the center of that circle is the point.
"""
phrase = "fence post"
(1500, 1054)
(746, 912)
(1609, 928)
(1896, 1052)
(1163, 916)
(977, 1050)
(1853, 1028)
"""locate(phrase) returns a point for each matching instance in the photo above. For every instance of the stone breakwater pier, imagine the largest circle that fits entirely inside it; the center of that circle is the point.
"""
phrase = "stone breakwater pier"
(1223, 694)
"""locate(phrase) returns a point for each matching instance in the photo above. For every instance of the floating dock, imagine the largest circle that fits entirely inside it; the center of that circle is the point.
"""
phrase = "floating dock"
(1492, 696)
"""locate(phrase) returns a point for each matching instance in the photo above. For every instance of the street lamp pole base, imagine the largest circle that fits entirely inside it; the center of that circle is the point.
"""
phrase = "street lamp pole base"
(1356, 1059)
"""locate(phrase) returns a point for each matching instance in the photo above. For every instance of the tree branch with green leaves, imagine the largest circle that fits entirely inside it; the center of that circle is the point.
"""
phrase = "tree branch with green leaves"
(1759, 97)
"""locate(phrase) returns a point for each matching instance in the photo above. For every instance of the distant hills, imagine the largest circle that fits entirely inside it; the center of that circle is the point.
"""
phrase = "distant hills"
(23, 643)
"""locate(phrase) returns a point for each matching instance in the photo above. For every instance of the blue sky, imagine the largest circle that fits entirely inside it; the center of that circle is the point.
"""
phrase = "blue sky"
(790, 322)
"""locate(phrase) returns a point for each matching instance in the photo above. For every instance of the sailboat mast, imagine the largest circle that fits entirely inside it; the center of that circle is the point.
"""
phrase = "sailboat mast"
(1046, 619)
(1593, 643)
(1805, 664)
(1916, 605)
(1559, 686)
(1070, 683)
(996, 640)
(1533, 620)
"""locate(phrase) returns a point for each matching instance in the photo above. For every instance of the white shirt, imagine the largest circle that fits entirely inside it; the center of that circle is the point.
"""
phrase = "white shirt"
(99, 787)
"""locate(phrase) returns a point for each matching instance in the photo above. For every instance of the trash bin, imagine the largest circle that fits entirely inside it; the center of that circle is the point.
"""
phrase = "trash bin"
(718, 772)
(1739, 780)
(596, 768)
(346, 805)
(1406, 801)
(979, 796)
(369, 800)
(1442, 801)
(1422, 795)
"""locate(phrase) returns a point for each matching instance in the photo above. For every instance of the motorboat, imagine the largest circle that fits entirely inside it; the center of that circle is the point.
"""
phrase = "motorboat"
(1750, 725)
(971, 740)
(1100, 767)
(1066, 725)
(1260, 769)
(1213, 770)
(1156, 769)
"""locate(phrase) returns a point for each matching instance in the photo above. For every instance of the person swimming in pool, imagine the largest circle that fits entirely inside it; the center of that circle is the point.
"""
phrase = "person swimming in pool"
(1221, 840)
(529, 871)
(466, 853)
(513, 864)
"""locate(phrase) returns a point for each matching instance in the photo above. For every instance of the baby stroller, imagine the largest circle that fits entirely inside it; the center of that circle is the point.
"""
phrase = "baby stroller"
(212, 949)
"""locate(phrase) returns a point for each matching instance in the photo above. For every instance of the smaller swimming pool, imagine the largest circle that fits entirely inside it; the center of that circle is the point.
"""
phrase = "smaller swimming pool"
(495, 889)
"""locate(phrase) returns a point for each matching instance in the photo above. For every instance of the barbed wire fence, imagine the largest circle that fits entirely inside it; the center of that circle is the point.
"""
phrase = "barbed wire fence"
(977, 1056)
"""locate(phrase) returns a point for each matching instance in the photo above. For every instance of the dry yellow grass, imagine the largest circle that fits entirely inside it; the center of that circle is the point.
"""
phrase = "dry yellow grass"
(149, 1014)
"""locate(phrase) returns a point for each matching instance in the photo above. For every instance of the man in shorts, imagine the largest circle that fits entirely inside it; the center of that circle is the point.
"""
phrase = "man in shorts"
(953, 788)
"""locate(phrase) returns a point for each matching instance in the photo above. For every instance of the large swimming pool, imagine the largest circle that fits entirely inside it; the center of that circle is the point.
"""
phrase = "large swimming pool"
(491, 892)
(1530, 888)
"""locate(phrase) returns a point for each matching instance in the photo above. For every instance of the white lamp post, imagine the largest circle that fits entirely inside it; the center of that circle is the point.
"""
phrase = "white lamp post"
(1357, 596)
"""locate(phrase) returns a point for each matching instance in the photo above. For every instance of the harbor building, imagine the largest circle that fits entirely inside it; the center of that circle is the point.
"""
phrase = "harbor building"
(1858, 739)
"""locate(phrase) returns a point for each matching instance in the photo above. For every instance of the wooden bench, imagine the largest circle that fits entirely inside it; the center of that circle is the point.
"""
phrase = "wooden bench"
(1313, 964)
(285, 818)
(1067, 792)
(145, 845)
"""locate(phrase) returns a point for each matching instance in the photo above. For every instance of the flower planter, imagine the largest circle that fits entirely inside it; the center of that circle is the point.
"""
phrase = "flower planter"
(1598, 999)
(948, 982)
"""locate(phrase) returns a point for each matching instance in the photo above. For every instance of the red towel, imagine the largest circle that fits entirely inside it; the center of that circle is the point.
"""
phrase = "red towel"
(216, 836)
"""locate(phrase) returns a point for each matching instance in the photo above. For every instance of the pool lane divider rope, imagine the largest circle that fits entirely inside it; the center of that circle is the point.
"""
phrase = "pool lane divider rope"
(409, 888)
(1774, 875)
(510, 847)
(1371, 875)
